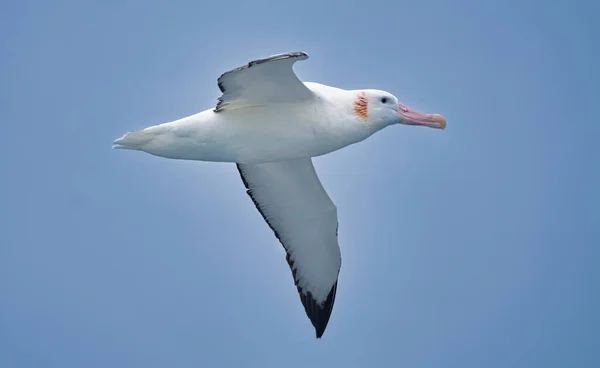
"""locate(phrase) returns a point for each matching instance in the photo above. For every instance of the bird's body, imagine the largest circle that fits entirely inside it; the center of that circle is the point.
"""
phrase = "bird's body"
(258, 134)
(270, 124)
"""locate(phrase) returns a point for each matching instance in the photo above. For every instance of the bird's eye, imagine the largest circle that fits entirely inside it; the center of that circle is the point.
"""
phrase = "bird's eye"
(384, 100)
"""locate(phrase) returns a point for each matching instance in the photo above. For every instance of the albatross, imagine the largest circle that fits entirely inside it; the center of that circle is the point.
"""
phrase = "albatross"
(271, 124)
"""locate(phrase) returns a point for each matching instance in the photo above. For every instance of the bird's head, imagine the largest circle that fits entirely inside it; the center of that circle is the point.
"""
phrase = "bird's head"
(382, 108)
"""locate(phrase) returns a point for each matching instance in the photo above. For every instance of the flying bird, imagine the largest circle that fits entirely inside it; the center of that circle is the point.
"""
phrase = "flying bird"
(271, 125)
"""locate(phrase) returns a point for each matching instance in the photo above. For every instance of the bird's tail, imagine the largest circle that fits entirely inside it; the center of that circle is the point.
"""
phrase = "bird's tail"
(134, 140)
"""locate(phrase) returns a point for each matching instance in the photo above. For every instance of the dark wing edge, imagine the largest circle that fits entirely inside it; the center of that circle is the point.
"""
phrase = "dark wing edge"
(299, 55)
(318, 314)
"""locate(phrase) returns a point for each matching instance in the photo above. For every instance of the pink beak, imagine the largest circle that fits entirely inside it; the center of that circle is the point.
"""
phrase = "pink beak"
(410, 117)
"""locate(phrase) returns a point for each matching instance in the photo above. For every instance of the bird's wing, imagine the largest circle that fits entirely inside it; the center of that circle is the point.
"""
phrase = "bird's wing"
(291, 199)
(262, 82)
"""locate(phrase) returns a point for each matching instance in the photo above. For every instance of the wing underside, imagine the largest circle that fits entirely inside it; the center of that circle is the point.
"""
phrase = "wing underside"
(292, 201)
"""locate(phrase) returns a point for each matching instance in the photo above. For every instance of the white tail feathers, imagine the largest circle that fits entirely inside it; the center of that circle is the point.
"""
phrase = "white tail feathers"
(134, 140)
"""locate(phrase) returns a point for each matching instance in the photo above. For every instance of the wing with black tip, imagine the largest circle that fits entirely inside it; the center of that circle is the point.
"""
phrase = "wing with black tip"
(291, 199)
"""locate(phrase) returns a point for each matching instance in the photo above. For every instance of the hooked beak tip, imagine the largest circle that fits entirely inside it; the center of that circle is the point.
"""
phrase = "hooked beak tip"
(440, 120)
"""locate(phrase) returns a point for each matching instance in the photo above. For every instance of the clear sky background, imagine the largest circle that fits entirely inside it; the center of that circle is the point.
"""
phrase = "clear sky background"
(477, 246)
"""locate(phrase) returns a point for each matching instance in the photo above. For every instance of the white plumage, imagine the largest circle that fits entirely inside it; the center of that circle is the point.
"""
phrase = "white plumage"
(271, 124)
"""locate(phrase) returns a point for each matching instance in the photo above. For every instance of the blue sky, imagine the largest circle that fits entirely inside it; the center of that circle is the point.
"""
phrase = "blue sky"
(476, 246)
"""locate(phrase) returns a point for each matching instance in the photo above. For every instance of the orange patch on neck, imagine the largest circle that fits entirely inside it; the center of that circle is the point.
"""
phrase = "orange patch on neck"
(361, 106)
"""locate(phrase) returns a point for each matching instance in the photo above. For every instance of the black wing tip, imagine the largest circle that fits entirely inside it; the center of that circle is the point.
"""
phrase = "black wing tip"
(319, 315)
(319, 331)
